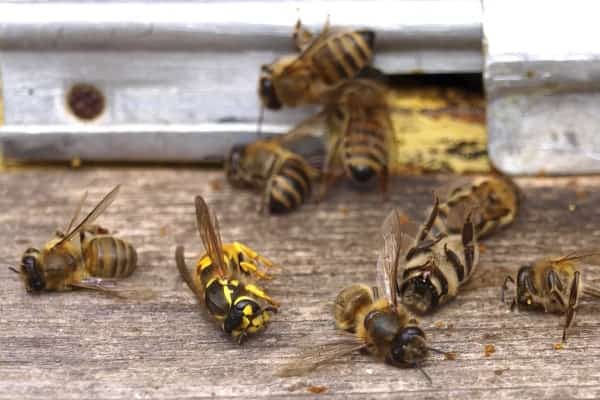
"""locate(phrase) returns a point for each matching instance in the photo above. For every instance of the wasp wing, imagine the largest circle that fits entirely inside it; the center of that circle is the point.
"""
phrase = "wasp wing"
(319, 355)
(208, 227)
(117, 289)
(93, 215)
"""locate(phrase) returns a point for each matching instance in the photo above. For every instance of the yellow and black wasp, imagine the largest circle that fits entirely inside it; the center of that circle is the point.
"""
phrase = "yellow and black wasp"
(223, 279)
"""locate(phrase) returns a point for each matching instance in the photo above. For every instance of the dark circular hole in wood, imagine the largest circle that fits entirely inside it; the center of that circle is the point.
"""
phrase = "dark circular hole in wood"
(85, 101)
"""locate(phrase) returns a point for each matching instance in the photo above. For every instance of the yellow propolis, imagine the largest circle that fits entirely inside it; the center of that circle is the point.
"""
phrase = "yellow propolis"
(438, 129)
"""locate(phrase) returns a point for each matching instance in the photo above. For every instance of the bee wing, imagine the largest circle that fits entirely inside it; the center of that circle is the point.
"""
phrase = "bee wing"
(95, 213)
(208, 227)
(591, 256)
(114, 288)
(395, 244)
(77, 211)
(319, 355)
(308, 140)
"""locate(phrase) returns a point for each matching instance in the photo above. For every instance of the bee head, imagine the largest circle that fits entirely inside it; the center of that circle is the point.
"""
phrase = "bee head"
(234, 168)
(408, 347)
(419, 294)
(266, 89)
(31, 271)
(524, 287)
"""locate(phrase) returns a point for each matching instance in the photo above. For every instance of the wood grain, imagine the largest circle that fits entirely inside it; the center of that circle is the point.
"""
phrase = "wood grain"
(83, 345)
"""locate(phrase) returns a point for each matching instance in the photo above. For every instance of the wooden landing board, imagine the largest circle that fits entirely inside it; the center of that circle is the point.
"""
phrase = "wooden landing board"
(82, 345)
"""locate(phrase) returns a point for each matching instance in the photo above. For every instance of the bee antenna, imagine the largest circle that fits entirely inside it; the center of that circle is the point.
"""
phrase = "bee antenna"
(13, 269)
(425, 374)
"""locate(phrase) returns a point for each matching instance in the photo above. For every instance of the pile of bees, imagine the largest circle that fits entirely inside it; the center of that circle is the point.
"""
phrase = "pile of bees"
(421, 267)
(351, 136)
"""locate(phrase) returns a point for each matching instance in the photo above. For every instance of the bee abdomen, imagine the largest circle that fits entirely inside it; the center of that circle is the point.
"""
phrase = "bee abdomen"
(110, 257)
(365, 151)
(290, 187)
(344, 55)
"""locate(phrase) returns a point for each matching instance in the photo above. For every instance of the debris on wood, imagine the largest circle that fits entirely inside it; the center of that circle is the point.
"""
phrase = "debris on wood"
(489, 350)
(317, 389)
(216, 184)
(558, 346)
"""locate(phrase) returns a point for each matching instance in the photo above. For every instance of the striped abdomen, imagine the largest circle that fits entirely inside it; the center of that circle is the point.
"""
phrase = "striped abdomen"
(343, 55)
(109, 257)
(290, 186)
(365, 149)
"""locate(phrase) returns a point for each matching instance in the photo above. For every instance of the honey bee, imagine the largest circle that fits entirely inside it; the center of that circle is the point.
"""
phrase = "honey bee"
(433, 267)
(493, 202)
(284, 168)
(360, 130)
(223, 279)
(323, 62)
(82, 256)
(379, 325)
(553, 285)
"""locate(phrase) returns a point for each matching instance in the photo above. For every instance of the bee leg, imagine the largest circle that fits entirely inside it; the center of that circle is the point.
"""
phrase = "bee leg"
(505, 287)
(302, 36)
(384, 180)
(329, 176)
(469, 242)
(258, 292)
(264, 201)
(424, 232)
(573, 296)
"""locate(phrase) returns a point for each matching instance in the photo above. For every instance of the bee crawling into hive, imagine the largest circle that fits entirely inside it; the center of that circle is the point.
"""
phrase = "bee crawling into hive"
(82, 256)
(224, 279)
(370, 322)
(360, 132)
(492, 201)
(324, 61)
(554, 285)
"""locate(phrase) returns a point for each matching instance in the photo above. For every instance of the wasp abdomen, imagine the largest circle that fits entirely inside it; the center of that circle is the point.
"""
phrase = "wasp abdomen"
(343, 56)
(290, 187)
(110, 257)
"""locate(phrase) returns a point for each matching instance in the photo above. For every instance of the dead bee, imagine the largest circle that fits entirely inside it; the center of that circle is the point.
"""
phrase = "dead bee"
(553, 285)
(323, 62)
(380, 325)
(433, 267)
(361, 132)
(223, 279)
(493, 202)
(81, 257)
(284, 168)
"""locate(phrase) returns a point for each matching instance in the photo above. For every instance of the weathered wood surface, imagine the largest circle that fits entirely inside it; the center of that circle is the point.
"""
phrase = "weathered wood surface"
(84, 345)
